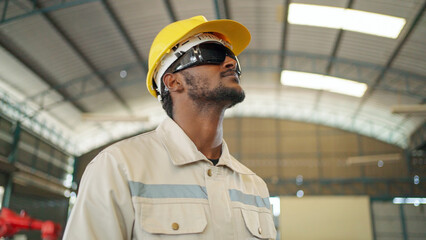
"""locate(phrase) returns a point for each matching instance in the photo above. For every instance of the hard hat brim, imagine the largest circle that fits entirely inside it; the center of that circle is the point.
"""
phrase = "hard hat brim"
(235, 33)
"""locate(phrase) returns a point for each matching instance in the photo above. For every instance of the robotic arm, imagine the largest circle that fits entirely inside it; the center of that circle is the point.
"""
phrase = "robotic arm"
(11, 223)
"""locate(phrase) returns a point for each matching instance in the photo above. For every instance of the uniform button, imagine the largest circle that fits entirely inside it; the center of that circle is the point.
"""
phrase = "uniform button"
(175, 226)
(209, 172)
(259, 230)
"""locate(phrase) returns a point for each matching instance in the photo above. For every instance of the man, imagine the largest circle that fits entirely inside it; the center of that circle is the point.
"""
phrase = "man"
(179, 181)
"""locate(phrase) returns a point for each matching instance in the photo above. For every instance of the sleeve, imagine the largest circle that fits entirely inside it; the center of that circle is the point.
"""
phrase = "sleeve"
(103, 209)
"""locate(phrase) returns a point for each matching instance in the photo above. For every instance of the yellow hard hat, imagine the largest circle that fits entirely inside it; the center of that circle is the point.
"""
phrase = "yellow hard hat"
(233, 32)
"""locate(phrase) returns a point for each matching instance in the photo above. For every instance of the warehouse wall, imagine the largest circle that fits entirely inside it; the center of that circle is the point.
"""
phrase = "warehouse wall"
(282, 149)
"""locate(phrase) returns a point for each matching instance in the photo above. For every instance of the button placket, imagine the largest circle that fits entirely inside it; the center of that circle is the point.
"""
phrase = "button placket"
(219, 203)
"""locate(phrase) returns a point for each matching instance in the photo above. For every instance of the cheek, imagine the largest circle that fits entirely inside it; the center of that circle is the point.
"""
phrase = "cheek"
(208, 70)
(209, 74)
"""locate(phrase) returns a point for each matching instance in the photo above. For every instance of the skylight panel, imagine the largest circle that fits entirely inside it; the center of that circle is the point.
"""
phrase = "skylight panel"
(323, 82)
(346, 19)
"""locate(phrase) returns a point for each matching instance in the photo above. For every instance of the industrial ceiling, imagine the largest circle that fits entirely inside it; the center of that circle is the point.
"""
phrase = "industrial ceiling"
(63, 60)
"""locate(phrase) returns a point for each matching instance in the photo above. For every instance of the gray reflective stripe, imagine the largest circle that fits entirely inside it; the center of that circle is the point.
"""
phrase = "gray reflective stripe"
(238, 196)
(167, 190)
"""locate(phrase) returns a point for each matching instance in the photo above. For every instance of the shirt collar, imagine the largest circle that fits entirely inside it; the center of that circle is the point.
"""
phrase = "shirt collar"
(183, 151)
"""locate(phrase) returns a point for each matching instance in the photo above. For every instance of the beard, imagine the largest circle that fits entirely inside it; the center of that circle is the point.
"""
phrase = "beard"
(201, 95)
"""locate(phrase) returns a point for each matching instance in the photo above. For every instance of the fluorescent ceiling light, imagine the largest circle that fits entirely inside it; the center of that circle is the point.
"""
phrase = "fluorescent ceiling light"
(323, 82)
(346, 19)
(415, 201)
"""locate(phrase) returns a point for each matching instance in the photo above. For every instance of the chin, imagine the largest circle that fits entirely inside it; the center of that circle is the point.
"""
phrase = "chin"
(235, 96)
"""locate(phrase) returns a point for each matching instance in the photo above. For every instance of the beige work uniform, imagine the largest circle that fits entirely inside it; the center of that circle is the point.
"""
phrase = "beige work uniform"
(159, 186)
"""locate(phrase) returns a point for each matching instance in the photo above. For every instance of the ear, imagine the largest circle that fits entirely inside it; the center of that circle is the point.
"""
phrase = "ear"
(173, 82)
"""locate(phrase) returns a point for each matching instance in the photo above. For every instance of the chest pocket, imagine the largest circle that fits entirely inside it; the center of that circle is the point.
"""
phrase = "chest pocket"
(172, 219)
(259, 224)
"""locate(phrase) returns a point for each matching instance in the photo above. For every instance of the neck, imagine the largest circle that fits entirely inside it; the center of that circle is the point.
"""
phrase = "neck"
(203, 125)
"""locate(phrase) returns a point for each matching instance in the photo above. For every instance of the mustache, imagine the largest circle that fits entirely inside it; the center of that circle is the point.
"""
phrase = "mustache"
(229, 72)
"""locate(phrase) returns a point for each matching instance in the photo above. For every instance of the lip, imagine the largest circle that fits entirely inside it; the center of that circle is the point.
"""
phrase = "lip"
(234, 76)
(236, 79)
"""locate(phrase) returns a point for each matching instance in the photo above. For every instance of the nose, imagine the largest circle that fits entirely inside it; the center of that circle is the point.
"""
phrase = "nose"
(230, 63)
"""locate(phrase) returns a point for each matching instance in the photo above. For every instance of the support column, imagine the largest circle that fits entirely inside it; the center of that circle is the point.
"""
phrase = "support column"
(409, 163)
(11, 158)
(403, 224)
(319, 156)
(362, 167)
(278, 157)
(373, 224)
(74, 172)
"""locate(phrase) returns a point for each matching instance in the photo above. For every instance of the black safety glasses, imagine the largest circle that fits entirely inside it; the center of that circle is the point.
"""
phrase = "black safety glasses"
(204, 53)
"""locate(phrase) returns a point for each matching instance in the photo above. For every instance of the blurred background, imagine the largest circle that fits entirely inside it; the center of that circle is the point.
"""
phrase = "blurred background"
(333, 121)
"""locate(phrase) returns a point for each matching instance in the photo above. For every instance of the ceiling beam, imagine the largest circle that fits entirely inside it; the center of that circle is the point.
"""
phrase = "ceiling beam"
(130, 43)
(170, 10)
(3, 15)
(391, 59)
(337, 42)
(222, 9)
(217, 9)
(286, 5)
(226, 9)
(28, 12)
(333, 55)
(34, 67)
(84, 58)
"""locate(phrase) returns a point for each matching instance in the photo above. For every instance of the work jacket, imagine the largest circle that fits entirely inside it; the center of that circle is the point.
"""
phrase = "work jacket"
(157, 185)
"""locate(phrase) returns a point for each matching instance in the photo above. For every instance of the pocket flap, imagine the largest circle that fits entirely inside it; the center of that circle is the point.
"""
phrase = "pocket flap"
(173, 218)
(260, 224)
